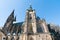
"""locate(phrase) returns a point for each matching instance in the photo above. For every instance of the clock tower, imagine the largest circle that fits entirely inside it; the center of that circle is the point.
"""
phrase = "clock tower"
(30, 21)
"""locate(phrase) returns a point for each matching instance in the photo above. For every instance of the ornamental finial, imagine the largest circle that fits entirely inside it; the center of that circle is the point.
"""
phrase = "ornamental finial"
(30, 7)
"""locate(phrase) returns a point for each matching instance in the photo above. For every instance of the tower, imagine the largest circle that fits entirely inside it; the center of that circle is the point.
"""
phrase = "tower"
(30, 21)
(9, 22)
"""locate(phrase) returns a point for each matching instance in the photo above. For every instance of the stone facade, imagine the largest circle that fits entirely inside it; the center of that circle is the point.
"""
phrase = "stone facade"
(33, 28)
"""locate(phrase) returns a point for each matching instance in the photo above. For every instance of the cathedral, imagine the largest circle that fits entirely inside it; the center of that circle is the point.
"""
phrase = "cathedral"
(33, 28)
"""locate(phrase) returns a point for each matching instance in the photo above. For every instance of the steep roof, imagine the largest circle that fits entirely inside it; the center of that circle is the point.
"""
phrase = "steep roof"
(16, 27)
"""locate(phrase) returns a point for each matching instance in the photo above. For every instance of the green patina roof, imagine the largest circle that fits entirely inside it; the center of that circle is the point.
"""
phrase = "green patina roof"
(18, 24)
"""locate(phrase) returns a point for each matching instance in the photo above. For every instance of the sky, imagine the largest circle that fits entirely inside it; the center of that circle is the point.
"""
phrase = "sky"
(47, 9)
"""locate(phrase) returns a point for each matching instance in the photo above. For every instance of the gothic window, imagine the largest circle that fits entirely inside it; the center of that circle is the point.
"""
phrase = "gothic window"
(31, 38)
(4, 38)
(17, 38)
(12, 38)
(39, 35)
(30, 18)
(39, 29)
(30, 28)
(42, 28)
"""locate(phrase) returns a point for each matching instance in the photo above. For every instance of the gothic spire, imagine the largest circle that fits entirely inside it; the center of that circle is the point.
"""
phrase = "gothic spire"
(9, 19)
(30, 7)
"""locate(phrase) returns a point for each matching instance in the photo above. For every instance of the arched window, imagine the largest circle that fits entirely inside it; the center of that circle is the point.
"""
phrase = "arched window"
(31, 38)
(12, 38)
(4, 38)
(17, 38)
(30, 18)
(39, 28)
(30, 29)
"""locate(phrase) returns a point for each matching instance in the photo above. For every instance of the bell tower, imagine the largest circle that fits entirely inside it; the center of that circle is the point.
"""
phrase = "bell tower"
(30, 21)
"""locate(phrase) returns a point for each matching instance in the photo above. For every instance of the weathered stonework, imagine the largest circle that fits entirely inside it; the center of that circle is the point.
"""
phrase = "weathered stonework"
(32, 28)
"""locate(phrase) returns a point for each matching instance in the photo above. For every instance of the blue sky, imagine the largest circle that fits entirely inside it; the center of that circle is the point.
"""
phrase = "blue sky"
(48, 9)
